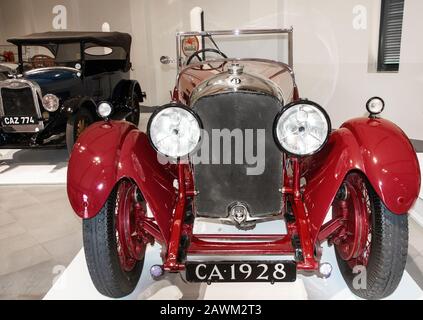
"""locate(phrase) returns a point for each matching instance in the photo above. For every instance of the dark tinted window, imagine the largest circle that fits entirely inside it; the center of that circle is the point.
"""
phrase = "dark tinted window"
(390, 35)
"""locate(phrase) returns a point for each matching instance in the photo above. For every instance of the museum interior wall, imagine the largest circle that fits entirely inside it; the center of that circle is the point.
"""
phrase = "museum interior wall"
(342, 57)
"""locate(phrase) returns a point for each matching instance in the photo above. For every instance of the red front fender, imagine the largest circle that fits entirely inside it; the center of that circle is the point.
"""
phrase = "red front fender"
(376, 147)
(109, 152)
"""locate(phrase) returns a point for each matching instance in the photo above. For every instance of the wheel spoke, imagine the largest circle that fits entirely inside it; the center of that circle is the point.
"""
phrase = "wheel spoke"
(354, 247)
(129, 239)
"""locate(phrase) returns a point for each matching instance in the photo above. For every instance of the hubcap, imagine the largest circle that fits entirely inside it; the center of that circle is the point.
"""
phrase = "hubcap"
(353, 243)
(135, 113)
(80, 127)
(129, 215)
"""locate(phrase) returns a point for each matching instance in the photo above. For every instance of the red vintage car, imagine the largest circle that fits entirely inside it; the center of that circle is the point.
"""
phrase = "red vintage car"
(238, 145)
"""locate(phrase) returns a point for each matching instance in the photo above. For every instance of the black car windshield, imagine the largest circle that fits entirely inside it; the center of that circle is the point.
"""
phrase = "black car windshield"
(98, 58)
(62, 55)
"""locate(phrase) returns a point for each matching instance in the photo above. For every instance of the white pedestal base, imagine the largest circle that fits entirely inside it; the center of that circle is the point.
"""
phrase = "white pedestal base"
(75, 283)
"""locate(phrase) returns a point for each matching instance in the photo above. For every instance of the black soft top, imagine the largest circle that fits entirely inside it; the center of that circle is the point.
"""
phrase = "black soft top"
(106, 39)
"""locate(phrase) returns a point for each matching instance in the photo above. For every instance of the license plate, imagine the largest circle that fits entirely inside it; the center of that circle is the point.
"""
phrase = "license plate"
(18, 121)
(262, 271)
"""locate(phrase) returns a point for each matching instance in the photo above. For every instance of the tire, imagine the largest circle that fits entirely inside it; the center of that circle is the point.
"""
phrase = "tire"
(388, 249)
(73, 131)
(135, 117)
(102, 256)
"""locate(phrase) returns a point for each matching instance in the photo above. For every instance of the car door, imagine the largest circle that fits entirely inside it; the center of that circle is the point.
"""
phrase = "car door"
(97, 86)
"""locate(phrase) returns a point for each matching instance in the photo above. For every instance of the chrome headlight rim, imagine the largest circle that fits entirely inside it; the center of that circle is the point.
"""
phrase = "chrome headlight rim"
(293, 104)
(183, 107)
(55, 98)
(368, 108)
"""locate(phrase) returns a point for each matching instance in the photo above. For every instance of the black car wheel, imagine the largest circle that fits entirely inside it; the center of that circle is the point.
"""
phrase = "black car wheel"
(77, 123)
(371, 250)
(135, 115)
(114, 243)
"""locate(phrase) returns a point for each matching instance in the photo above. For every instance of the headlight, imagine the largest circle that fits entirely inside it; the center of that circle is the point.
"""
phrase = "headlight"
(302, 128)
(375, 106)
(51, 102)
(174, 131)
(104, 109)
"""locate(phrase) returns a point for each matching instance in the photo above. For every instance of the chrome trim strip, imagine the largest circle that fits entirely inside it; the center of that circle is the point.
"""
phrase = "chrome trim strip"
(35, 71)
(235, 32)
(250, 220)
(36, 95)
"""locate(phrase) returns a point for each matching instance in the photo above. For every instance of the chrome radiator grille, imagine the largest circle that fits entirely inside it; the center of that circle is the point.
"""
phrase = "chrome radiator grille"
(18, 102)
(221, 185)
(20, 98)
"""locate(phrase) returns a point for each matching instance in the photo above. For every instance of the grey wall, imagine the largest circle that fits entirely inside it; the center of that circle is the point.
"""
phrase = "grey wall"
(334, 63)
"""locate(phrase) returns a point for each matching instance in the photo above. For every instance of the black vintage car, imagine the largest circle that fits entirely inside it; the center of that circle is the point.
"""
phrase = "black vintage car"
(66, 81)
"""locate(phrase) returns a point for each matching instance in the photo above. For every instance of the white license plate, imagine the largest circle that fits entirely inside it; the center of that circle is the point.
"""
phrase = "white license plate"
(18, 121)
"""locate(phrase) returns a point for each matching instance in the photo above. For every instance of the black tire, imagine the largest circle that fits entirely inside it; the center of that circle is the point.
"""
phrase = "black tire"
(72, 132)
(101, 253)
(135, 116)
(388, 252)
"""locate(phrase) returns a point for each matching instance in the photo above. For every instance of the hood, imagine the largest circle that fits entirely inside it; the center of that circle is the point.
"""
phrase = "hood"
(236, 80)
(49, 78)
(54, 80)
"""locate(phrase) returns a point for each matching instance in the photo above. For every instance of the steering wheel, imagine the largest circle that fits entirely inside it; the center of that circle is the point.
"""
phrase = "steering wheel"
(42, 61)
(198, 53)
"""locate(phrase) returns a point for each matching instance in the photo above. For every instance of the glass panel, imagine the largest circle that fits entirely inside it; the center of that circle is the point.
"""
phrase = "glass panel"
(98, 51)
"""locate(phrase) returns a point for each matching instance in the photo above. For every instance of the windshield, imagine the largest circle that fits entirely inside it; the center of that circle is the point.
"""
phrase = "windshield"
(98, 59)
(51, 55)
(271, 44)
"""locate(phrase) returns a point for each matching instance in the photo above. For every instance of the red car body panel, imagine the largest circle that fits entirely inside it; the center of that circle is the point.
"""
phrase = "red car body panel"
(376, 147)
(109, 152)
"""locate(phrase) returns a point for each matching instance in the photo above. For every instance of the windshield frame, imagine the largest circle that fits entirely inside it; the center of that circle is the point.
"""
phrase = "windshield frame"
(53, 48)
(236, 32)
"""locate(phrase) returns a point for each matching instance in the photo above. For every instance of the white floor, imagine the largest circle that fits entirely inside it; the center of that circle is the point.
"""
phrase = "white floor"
(75, 283)
(29, 167)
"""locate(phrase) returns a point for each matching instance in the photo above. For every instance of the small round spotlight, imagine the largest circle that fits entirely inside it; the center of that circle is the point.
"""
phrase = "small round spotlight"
(104, 109)
(325, 270)
(375, 106)
(156, 271)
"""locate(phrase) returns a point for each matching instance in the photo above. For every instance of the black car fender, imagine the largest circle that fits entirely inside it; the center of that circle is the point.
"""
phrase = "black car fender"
(72, 105)
(126, 89)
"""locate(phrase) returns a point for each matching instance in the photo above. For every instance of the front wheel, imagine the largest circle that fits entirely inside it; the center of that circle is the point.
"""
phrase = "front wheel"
(114, 242)
(134, 117)
(371, 249)
(77, 123)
